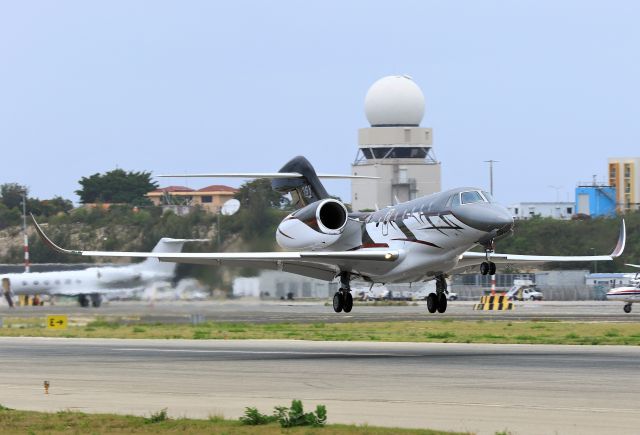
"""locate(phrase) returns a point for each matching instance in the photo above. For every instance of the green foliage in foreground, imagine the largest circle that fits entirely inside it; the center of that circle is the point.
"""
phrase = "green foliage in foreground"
(438, 331)
(21, 422)
(287, 417)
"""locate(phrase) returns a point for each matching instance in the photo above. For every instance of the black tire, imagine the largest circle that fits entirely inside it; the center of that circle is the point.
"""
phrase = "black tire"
(627, 308)
(96, 300)
(347, 302)
(442, 303)
(83, 300)
(337, 302)
(432, 303)
(492, 268)
(484, 268)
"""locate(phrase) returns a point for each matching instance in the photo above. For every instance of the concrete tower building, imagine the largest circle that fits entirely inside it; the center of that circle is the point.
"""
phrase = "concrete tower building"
(395, 148)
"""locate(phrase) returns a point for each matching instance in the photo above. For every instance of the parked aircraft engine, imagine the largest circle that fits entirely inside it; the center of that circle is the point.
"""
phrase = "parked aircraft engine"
(315, 226)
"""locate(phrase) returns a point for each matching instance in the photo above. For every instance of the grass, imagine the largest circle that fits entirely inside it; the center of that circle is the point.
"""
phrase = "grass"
(22, 422)
(443, 331)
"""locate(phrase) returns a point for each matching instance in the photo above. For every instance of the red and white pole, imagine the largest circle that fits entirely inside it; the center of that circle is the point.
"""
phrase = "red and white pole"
(493, 285)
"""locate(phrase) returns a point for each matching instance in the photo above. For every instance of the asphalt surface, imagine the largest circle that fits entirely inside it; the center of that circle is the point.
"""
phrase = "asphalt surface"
(320, 311)
(479, 388)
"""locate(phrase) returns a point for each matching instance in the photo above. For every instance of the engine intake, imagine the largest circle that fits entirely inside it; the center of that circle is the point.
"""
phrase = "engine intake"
(315, 226)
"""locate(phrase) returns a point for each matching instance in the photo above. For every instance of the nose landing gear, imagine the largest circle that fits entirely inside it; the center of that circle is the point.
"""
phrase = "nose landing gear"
(488, 268)
(342, 299)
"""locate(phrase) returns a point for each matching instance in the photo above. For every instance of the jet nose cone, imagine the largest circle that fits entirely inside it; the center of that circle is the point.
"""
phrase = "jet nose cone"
(486, 217)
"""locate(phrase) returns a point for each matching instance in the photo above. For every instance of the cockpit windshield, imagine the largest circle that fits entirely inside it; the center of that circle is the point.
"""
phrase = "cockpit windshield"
(471, 197)
(488, 196)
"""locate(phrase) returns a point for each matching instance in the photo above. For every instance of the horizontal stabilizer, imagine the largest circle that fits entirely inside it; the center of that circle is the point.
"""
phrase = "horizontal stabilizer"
(270, 175)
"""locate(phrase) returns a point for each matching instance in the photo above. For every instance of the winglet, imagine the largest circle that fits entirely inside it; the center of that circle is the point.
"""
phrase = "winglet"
(48, 241)
(621, 241)
(632, 265)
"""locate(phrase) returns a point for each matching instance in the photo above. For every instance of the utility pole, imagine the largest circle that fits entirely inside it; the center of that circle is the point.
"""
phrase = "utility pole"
(27, 267)
(491, 162)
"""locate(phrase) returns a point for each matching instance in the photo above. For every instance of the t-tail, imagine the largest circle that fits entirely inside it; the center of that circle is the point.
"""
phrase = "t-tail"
(305, 188)
(166, 245)
(297, 177)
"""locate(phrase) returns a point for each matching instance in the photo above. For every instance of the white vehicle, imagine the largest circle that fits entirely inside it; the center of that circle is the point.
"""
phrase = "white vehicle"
(524, 292)
(419, 240)
(627, 294)
(90, 285)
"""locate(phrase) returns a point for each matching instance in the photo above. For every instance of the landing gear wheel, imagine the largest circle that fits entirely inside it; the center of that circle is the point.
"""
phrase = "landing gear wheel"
(627, 308)
(338, 302)
(442, 303)
(432, 303)
(347, 301)
(96, 300)
(492, 268)
(484, 268)
(83, 300)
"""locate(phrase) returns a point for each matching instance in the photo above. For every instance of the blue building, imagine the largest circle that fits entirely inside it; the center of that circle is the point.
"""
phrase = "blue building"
(596, 201)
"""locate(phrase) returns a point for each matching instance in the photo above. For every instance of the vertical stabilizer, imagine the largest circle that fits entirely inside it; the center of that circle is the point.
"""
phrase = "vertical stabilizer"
(161, 268)
(304, 190)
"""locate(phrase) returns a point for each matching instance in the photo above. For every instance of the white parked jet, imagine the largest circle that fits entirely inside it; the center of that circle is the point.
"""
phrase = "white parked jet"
(627, 294)
(89, 285)
(419, 240)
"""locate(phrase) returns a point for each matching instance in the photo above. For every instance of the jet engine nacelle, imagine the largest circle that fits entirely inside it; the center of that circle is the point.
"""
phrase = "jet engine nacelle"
(315, 226)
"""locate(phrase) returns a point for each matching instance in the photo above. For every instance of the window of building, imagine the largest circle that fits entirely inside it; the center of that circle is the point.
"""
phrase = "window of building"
(569, 210)
(206, 198)
(516, 211)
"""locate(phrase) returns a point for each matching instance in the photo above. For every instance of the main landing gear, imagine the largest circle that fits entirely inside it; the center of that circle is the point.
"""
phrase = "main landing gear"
(438, 301)
(342, 300)
(627, 308)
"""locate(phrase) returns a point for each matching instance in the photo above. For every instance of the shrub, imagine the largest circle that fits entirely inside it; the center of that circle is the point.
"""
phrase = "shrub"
(158, 417)
(295, 416)
(253, 417)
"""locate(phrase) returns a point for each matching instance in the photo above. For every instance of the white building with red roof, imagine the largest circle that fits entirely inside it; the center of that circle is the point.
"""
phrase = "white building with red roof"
(210, 198)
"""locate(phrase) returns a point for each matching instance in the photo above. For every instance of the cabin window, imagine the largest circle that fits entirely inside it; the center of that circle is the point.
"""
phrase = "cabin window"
(36, 282)
(24, 283)
(46, 283)
(57, 282)
(67, 281)
(471, 197)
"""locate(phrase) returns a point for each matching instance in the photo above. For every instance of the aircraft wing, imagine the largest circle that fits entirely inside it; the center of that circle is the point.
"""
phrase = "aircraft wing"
(323, 265)
(473, 258)
(633, 265)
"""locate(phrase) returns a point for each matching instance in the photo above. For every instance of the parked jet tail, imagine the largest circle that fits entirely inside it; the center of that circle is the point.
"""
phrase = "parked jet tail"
(165, 245)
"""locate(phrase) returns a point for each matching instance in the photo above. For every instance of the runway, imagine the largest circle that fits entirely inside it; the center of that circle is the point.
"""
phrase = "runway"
(465, 387)
(256, 311)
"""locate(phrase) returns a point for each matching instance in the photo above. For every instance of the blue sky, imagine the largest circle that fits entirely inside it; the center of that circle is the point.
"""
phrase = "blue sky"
(548, 88)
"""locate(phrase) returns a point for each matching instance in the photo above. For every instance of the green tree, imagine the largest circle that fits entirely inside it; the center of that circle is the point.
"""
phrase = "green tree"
(117, 186)
(11, 194)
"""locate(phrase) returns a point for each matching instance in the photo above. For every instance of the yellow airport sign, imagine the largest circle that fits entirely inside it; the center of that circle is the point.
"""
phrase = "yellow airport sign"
(57, 322)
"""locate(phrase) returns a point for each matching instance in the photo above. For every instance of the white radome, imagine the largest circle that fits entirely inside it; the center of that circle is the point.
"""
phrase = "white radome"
(393, 101)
